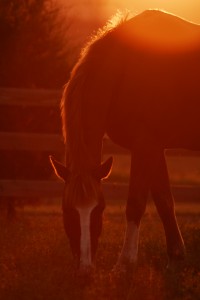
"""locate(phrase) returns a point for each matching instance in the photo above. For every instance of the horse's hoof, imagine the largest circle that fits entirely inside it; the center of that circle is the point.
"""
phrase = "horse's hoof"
(122, 272)
(84, 276)
(176, 262)
(177, 252)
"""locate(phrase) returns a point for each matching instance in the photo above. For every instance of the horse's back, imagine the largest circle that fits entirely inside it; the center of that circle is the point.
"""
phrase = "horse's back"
(159, 92)
(142, 75)
(158, 30)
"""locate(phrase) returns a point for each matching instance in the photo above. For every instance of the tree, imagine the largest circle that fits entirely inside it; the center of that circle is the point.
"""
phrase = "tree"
(34, 51)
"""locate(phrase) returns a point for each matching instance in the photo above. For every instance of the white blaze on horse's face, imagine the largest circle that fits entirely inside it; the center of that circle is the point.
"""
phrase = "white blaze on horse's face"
(83, 206)
(85, 238)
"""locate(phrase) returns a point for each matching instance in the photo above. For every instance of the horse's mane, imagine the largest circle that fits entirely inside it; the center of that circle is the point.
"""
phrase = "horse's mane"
(116, 21)
(71, 102)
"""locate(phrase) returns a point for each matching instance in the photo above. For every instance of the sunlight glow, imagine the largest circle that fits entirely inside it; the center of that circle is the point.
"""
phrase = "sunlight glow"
(164, 32)
(188, 9)
(104, 9)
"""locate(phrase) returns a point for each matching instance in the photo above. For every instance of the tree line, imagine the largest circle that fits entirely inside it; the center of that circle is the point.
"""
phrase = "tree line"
(34, 50)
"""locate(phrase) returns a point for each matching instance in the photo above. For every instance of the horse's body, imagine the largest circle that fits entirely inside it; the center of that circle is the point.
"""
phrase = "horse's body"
(139, 83)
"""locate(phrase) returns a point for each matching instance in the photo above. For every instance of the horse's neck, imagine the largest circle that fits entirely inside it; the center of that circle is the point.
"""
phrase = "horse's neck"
(86, 120)
(86, 157)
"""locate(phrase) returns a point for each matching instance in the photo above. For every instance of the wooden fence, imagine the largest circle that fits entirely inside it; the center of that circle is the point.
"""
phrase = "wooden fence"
(33, 142)
(41, 142)
(30, 142)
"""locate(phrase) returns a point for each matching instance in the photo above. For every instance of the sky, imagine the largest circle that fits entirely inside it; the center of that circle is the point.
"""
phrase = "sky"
(188, 9)
(88, 15)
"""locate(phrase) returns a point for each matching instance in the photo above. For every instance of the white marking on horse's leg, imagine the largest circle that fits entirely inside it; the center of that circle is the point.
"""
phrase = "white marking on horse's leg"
(130, 247)
(85, 240)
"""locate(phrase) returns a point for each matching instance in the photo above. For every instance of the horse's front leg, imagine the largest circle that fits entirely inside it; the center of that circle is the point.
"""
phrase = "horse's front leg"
(135, 208)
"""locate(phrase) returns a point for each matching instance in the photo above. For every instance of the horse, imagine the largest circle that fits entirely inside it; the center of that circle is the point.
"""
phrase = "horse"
(138, 82)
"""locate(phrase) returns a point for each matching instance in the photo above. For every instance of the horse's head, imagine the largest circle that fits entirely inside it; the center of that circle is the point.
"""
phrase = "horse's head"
(83, 206)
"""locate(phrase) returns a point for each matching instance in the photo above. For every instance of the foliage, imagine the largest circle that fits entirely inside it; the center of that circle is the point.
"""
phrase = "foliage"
(33, 48)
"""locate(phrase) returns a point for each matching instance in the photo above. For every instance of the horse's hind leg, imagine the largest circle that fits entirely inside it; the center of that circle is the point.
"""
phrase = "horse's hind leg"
(160, 190)
(149, 173)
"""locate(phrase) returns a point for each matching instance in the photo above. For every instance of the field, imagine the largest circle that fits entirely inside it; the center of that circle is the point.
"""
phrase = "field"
(36, 263)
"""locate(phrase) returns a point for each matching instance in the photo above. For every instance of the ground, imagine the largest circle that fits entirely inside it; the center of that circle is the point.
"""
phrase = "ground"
(36, 263)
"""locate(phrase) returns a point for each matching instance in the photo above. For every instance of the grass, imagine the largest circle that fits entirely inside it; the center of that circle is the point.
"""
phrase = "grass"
(36, 263)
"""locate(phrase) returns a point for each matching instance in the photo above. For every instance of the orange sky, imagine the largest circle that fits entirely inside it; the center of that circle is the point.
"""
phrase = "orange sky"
(99, 11)
(189, 9)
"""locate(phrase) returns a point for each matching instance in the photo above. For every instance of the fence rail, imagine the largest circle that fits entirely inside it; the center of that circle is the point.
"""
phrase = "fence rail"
(30, 188)
(44, 142)
(29, 97)
(31, 141)
(21, 141)
(54, 189)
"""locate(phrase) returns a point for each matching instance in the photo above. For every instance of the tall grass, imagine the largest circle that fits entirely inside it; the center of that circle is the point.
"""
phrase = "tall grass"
(36, 263)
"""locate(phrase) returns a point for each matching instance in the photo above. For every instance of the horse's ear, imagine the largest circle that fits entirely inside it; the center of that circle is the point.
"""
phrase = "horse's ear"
(60, 170)
(103, 171)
